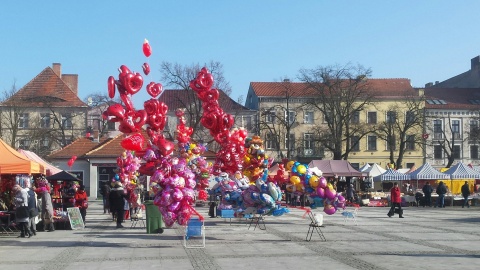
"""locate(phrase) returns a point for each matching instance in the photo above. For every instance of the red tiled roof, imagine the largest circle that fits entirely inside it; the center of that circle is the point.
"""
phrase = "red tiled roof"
(455, 98)
(113, 147)
(46, 89)
(180, 98)
(381, 87)
(77, 148)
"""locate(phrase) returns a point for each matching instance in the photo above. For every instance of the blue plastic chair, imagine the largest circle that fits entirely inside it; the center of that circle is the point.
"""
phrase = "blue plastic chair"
(194, 228)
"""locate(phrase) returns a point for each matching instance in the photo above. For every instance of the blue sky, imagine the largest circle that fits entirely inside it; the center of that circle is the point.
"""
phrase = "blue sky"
(424, 41)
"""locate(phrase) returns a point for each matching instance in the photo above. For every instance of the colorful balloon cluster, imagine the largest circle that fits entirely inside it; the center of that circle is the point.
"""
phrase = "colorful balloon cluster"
(175, 191)
(255, 160)
(219, 123)
(308, 181)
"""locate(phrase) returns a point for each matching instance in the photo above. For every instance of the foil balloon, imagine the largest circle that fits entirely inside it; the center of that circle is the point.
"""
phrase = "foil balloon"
(147, 50)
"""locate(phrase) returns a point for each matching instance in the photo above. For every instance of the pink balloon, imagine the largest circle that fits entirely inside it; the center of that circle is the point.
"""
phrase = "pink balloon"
(177, 195)
(321, 192)
(329, 209)
(173, 207)
(330, 193)
(322, 182)
(189, 195)
(166, 199)
(341, 198)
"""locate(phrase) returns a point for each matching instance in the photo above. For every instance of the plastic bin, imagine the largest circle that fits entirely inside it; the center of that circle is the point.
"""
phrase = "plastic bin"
(154, 218)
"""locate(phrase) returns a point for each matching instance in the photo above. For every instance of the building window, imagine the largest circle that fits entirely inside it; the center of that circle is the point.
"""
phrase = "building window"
(410, 165)
(270, 141)
(45, 120)
(356, 166)
(247, 122)
(410, 117)
(391, 117)
(290, 117)
(437, 129)
(24, 143)
(410, 143)
(474, 130)
(474, 151)
(327, 117)
(372, 117)
(437, 152)
(355, 119)
(44, 143)
(67, 120)
(390, 142)
(456, 129)
(308, 117)
(270, 116)
(290, 141)
(456, 152)
(23, 120)
(111, 125)
(372, 143)
(308, 140)
(355, 143)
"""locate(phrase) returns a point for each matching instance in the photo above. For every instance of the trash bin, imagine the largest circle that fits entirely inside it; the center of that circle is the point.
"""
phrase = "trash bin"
(154, 218)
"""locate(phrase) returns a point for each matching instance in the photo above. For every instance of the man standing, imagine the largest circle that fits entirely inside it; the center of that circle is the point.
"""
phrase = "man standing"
(427, 191)
(105, 191)
(441, 191)
(465, 194)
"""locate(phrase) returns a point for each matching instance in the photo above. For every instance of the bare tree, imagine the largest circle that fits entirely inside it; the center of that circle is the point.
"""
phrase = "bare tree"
(179, 77)
(404, 119)
(13, 116)
(278, 120)
(98, 103)
(447, 138)
(339, 93)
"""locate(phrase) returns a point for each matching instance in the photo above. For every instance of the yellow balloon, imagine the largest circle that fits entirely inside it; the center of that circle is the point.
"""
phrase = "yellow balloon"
(301, 169)
(313, 181)
(295, 180)
(299, 187)
(289, 165)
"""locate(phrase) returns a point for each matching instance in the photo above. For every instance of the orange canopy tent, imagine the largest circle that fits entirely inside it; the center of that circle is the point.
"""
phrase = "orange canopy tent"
(12, 162)
(32, 156)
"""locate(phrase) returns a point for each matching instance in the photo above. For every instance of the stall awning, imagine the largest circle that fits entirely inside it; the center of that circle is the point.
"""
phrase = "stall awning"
(12, 162)
(335, 168)
(32, 156)
(462, 171)
(427, 172)
(391, 175)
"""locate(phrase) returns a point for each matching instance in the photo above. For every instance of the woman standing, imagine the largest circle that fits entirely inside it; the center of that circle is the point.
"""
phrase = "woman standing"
(47, 209)
(21, 210)
(396, 200)
(81, 201)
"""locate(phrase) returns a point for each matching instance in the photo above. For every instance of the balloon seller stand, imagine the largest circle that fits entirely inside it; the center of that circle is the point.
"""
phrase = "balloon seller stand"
(194, 234)
(314, 225)
(258, 220)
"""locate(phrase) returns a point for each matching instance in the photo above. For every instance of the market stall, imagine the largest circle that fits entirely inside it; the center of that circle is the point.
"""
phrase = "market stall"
(64, 186)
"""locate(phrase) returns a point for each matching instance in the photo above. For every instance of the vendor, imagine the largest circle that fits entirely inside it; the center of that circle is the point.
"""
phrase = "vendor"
(68, 195)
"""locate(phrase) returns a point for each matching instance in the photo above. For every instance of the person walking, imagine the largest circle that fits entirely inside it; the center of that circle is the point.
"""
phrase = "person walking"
(465, 194)
(32, 209)
(396, 201)
(105, 191)
(350, 193)
(47, 209)
(21, 210)
(427, 192)
(81, 201)
(441, 191)
(117, 204)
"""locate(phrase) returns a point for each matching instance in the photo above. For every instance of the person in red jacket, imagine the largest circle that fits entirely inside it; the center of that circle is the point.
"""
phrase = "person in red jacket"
(81, 201)
(396, 200)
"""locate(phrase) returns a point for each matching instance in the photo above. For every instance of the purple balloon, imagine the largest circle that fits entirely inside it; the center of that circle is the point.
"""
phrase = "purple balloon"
(321, 192)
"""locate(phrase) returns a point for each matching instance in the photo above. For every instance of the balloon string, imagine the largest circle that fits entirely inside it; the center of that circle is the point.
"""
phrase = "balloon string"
(200, 217)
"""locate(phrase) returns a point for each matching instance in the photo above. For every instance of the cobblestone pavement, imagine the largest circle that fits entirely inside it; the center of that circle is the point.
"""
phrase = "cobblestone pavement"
(427, 238)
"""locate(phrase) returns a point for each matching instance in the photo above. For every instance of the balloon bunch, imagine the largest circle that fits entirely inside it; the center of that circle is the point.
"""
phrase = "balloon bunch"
(231, 193)
(331, 199)
(263, 196)
(175, 191)
(255, 160)
(219, 123)
(200, 167)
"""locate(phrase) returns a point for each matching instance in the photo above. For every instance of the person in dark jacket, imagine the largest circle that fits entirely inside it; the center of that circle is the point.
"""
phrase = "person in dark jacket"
(105, 191)
(441, 191)
(396, 201)
(117, 194)
(427, 191)
(350, 193)
(33, 209)
(465, 194)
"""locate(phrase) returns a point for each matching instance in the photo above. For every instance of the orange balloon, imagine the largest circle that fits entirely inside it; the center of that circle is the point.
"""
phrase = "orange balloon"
(295, 180)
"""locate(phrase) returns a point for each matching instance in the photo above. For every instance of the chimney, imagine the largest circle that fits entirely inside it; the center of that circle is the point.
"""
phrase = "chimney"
(57, 68)
(475, 62)
(430, 84)
(72, 81)
(286, 80)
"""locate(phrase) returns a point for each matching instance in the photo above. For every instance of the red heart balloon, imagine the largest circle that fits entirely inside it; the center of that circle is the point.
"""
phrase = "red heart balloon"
(111, 87)
(133, 83)
(139, 118)
(147, 51)
(165, 147)
(146, 69)
(117, 111)
(133, 142)
(154, 89)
